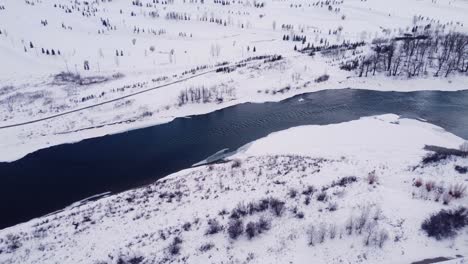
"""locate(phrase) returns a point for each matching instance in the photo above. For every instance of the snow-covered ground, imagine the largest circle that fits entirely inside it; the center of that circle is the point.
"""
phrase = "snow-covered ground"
(133, 47)
(342, 193)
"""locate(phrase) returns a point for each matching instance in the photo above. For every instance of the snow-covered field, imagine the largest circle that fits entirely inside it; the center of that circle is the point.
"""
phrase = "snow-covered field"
(343, 193)
(355, 192)
(131, 46)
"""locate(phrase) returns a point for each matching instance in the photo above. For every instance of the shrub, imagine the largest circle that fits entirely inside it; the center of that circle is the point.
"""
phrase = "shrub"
(361, 220)
(12, 242)
(461, 170)
(345, 181)
(322, 196)
(372, 177)
(236, 163)
(350, 65)
(445, 223)
(277, 206)
(213, 227)
(332, 206)
(322, 78)
(206, 247)
(382, 237)
(300, 215)
(321, 233)
(239, 212)
(312, 234)
(457, 191)
(418, 182)
(174, 247)
(235, 228)
(130, 259)
(187, 226)
(446, 198)
(429, 185)
(251, 230)
(263, 225)
(309, 190)
(332, 231)
(259, 206)
(292, 193)
(434, 157)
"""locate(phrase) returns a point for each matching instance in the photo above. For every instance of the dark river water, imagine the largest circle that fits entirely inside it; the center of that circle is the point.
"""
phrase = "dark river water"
(52, 178)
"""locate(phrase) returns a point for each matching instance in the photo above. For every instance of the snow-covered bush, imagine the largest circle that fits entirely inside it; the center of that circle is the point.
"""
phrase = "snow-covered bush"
(174, 247)
(372, 178)
(322, 197)
(457, 190)
(418, 182)
(251, 230)
(445, 223)
(206, 247)
(213, 227)
(322, 78)
(461, 170)
(235, 228)
(277, 206)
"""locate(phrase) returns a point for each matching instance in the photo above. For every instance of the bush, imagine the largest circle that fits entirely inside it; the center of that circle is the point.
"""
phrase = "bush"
(277, 206)
(309, 190)
(322, 78)
(461, 170)
(345, 181)
(213, 227)
(445, 223)
(457, 191)
(130, 260)
(236, 163)
(322, 196)
(430, 185)
(372, 177)
(12, 242)
(240, 211)
(187, 226)
(446, 198)
(350, 65)
(174, 247)
(292, 193)
(263, 225)
(251, 230)
(235, 228)
(418, 182)
(206, 247)
(259, 206)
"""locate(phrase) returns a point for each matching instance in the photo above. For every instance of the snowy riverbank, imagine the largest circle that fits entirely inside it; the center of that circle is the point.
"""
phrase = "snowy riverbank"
(306, 189)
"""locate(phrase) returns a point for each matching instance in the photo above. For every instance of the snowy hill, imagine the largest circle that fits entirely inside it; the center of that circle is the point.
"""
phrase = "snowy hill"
(326, 194)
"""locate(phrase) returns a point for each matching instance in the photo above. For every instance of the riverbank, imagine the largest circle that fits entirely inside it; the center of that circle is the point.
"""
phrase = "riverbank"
(259, 82)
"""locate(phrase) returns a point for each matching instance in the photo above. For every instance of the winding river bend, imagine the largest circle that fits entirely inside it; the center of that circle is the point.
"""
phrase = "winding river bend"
(50, 179)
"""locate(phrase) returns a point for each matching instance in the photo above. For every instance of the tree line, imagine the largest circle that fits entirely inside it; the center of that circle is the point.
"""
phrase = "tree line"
(410, 55)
